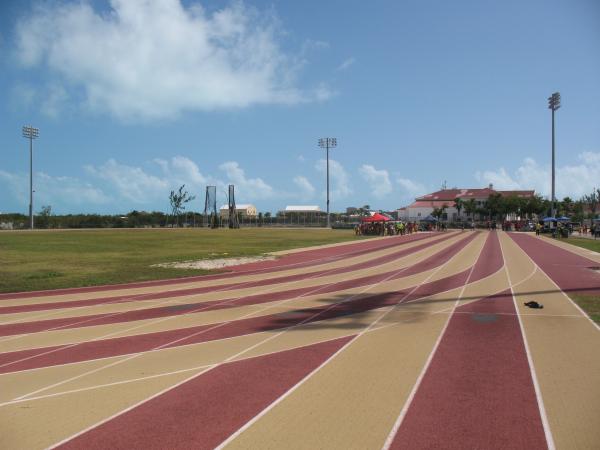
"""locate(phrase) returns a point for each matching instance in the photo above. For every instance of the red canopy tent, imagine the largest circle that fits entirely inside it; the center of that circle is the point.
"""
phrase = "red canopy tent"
(376, 218)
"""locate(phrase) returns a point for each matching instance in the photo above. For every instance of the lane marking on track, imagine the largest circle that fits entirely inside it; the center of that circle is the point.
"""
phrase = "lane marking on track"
(136, 355)
(252, 421)
(235, 356)
(202, 308)
(229, 275)
(392, 434)
(266, 308)
(558, 287)
(538, 392)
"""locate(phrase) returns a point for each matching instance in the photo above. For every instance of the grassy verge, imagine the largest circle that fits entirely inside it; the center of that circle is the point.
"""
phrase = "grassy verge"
(590, 244)
(590, 304)
(74, 258)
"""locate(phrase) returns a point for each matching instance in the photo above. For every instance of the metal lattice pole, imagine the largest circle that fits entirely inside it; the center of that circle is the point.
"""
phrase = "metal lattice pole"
(328, 143)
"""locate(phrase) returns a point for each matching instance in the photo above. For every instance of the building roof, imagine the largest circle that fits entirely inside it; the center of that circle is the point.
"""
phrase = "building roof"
(302, 208)
(465, 194)
(431, 204)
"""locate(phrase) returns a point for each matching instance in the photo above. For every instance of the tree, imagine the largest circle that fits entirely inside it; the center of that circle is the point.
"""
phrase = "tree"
(458, 204)
(493, 205)
(43, 219)
(178, 199)
(470, 207)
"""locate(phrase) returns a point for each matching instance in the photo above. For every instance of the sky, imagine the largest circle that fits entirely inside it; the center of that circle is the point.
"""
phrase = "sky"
(134, 98)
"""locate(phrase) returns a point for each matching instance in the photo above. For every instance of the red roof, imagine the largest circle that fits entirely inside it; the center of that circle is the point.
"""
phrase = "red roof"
(431, 204)
(451, 194)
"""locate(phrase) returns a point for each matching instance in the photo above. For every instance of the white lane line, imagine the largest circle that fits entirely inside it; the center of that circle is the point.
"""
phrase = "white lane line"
(137, 355)
(583, 313)
(164, 319)
(538, 392)
(392, 434)
(234, 357)
(199, 296)
(233, 275)
(387, 310)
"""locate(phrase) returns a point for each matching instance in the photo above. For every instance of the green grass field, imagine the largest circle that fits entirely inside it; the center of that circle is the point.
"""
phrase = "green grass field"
(73, 258)
(589, 303)
(590, 244)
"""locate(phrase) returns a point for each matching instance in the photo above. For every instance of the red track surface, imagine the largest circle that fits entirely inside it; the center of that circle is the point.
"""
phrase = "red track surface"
(48, 356)
(478, 391)
(290, 261)
(204, 411)
(569, 271)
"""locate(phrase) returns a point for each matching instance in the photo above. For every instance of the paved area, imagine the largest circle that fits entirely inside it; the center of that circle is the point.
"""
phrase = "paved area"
(412, 342)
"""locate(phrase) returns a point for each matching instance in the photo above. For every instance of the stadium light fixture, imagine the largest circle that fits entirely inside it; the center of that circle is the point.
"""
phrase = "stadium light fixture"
(328, 143)
(30, 133)
(553, 104)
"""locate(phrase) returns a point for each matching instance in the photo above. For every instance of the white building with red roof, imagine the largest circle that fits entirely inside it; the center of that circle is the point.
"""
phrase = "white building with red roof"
(423, 206)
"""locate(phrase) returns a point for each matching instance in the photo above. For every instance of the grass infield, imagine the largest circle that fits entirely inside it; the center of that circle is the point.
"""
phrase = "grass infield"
(589, 303)
(74, 258)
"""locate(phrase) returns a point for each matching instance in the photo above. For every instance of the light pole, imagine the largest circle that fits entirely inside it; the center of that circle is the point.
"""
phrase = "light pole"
(328, 143)
(553, 104)
(30, 133)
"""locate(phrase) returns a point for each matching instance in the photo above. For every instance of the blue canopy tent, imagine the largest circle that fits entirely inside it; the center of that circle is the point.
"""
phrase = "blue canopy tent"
(563, 219)
(549, 219)
(429, 218)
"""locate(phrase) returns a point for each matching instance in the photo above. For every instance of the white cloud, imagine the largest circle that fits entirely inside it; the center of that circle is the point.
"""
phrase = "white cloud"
(571, 180)
(156, 59)
(246, 188)
(410, 188)
(130, 183)
(306, 189)
(378, 180)
(60, 192)
(346, 63)
(339, 178)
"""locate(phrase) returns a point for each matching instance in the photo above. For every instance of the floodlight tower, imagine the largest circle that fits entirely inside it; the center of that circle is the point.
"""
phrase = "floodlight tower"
(328, 143)
(30, 133)
(553, 104)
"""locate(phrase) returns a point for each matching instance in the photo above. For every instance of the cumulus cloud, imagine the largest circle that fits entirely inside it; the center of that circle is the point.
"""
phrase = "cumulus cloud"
(572, 180)
(339, 177)
(60, 192)
(155, 59)
(249, 188)
(410, 188)
(306, 189)
(378, 180)
(130, 183)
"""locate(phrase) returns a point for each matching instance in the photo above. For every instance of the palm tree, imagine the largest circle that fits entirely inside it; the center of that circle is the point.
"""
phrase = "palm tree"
(470, 207)
(458, 204)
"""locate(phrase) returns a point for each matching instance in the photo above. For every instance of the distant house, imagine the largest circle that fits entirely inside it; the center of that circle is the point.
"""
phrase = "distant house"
(423, 206)
(242, 210)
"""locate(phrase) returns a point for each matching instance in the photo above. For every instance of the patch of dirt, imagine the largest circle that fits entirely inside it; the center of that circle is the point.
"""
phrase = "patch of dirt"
(209, 264)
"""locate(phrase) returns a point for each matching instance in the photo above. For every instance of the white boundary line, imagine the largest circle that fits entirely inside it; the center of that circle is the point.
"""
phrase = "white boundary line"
(392, 434)
(538, 392)
(556, 285)
(252, 421)
(220, 324)
(180, 346)
(229, 359)
(139, 354)
(209, 277)
(220, 288)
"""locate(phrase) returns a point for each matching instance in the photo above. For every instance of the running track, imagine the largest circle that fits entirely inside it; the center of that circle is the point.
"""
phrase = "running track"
(413, 342)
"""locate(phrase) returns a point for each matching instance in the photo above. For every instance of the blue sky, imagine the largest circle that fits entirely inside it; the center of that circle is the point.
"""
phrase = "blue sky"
(134, 98)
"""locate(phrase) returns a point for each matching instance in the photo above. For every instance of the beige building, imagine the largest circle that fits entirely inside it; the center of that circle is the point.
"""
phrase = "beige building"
(242, 210)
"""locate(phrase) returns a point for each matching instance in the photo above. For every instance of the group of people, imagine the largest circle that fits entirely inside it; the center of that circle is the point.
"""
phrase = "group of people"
(386, 228)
